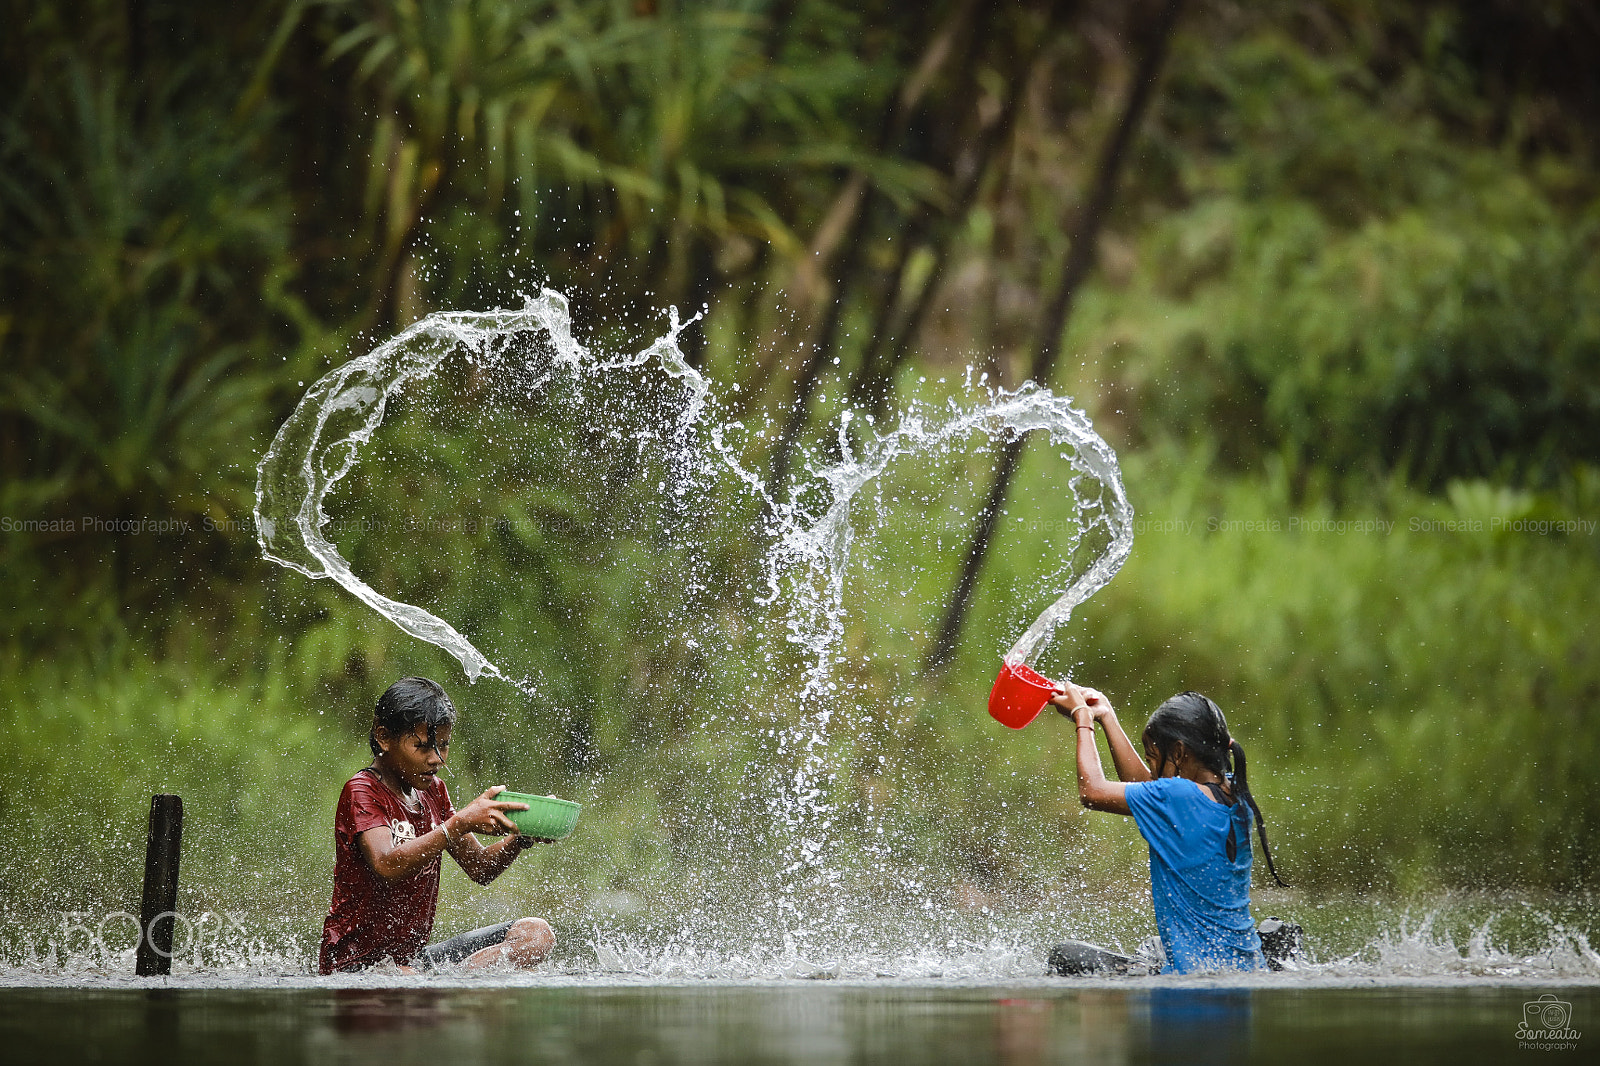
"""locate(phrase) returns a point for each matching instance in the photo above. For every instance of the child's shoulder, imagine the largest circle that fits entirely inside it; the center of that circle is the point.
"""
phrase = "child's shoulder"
(363, 783)
(1165, 790)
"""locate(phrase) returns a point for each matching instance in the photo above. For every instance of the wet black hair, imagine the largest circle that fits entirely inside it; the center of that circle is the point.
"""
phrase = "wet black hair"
(1194, 721)
(408, 703)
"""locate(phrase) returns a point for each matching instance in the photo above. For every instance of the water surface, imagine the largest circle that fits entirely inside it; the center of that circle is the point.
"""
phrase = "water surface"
(1021, 1023)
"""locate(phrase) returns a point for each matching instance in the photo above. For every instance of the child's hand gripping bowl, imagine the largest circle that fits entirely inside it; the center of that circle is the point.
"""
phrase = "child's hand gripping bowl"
(487, 814)
(499, 811)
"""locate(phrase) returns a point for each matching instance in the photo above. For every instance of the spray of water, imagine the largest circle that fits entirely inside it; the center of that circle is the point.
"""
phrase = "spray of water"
(812, 551)
(810, 557)
(806, 541)
(808, 535)
(320, 442)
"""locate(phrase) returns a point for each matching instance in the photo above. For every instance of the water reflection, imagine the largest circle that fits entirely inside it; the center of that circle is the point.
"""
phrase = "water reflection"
(161, 1014)
(360, 1010)
(778, 1024)
(1022, 1031)
(1207, 1024)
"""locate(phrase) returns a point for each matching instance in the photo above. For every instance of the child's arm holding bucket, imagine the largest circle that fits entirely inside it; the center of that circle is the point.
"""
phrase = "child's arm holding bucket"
(1095, 791)
(1124, 756)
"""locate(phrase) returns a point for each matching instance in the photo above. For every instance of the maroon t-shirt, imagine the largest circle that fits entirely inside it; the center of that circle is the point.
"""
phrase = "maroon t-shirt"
(369, 917)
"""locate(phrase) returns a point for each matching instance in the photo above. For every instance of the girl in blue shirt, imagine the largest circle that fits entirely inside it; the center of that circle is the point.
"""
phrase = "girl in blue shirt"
(1194, 812)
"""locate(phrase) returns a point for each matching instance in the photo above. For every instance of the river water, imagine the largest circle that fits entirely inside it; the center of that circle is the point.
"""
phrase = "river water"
(1020, 1023)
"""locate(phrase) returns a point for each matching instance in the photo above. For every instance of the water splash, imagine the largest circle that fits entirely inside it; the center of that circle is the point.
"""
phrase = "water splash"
(1511, 946)
(805, 542)
(807, 566)
(812, 550)
(320, 442)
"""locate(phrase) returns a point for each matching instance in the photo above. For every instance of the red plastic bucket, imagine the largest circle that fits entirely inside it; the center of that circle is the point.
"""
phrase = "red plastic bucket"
(1019, 694)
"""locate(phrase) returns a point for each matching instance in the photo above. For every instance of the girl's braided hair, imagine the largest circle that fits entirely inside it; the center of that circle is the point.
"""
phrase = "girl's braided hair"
(1194, 721)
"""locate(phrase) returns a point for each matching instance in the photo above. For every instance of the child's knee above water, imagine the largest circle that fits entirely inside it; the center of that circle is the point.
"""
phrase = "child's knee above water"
(1190, 797)
(393, 824)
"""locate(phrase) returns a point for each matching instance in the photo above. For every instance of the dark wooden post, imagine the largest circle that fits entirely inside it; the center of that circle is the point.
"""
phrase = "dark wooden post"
(158, 912)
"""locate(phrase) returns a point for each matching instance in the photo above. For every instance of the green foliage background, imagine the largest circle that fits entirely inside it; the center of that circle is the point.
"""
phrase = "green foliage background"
(1351, 275)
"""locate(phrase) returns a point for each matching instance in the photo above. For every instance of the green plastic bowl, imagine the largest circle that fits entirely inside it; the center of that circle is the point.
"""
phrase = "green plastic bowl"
(545, 817)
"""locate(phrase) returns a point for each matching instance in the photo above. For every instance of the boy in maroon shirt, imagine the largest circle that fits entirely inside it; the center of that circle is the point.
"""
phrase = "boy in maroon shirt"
(393, 823)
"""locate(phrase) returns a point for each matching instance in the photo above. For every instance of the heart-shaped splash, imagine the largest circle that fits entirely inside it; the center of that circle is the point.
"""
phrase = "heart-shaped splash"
(809, 547)
(814, 547)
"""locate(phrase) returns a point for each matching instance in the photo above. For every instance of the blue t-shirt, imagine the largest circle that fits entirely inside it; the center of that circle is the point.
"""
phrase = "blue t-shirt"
(1201, 898)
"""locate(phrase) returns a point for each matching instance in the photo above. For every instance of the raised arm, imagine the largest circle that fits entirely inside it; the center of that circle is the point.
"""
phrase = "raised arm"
(1124, 756)
(1094, 790)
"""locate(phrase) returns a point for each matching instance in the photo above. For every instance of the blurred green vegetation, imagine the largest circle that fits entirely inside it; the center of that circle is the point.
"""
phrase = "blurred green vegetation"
(1361, 292)
(1414, 703)
(1351, 274)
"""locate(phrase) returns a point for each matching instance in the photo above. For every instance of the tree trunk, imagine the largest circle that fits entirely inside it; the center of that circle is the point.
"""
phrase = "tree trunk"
(1080, 260)
(825, 339)
(873, 383)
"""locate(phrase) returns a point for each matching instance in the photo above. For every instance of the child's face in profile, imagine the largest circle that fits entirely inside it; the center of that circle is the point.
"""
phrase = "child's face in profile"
(412, 758)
